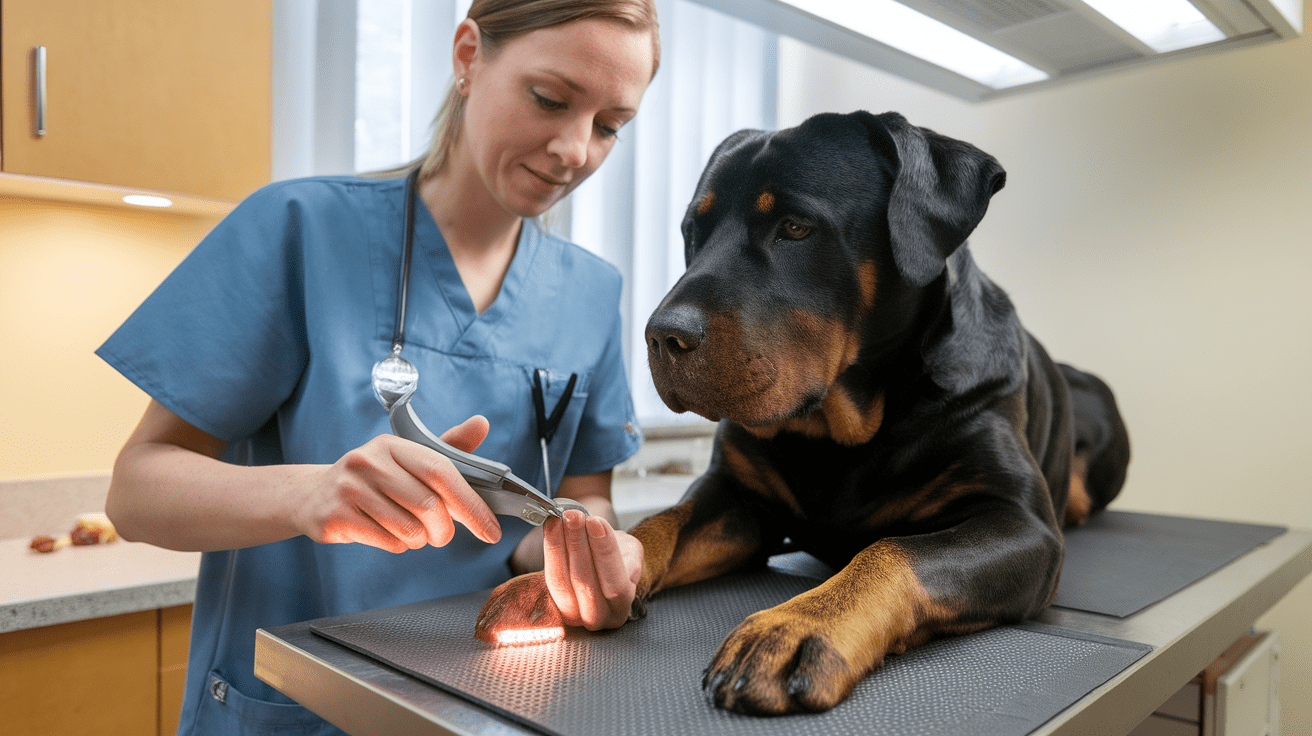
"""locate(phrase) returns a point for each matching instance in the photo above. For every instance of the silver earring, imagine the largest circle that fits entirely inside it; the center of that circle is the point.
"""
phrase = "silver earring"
(461, 84)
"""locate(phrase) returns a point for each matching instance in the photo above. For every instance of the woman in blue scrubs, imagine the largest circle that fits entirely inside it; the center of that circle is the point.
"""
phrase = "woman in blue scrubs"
(264, 446)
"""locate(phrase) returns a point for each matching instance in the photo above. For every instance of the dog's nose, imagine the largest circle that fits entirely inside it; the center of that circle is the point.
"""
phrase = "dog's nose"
(675, 331)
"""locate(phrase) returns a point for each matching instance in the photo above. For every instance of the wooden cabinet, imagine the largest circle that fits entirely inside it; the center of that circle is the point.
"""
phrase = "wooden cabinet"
(115, 675)
(166, 95)
(174, 637)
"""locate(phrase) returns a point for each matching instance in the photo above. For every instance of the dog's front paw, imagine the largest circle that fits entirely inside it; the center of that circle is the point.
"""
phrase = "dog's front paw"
(776, 663)
(522, 603)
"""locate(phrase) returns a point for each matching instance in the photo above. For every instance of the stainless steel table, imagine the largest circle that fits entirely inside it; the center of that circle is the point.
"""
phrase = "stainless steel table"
(1187, 631)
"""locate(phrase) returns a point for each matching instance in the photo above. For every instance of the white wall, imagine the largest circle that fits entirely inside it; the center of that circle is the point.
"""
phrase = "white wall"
(1155, 230)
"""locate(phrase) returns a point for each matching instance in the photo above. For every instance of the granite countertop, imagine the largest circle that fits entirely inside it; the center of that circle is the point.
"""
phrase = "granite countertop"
(79, 583)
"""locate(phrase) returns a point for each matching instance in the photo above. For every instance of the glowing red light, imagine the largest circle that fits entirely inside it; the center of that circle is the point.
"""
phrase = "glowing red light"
(525, 637)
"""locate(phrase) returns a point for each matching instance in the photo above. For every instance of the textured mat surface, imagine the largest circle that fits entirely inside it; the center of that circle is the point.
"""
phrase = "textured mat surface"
(1120, 562)
(645, 678)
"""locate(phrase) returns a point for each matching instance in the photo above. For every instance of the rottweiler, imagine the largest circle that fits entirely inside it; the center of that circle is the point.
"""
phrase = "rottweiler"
(880, 406)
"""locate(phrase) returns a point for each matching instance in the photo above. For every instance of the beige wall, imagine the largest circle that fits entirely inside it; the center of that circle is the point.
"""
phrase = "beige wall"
(1155, 229)
(69, 275)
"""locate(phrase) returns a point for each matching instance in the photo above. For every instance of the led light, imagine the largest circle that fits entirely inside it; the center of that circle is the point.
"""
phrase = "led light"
(1165, 25)
(894, 24)
(146, 200)
(525, 637)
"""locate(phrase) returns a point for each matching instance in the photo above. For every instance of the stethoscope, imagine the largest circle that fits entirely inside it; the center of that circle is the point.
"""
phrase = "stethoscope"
(403, 372)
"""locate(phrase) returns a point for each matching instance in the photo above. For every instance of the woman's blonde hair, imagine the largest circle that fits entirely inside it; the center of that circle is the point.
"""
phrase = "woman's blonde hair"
(501, 21)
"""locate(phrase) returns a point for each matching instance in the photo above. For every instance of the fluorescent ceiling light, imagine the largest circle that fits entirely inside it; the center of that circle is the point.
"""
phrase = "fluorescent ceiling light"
(1165, 25)
(1293, 12)
(894, 24)
(146, 200)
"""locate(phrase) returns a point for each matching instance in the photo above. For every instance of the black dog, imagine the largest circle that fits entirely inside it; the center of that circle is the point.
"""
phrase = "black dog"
(880, 406)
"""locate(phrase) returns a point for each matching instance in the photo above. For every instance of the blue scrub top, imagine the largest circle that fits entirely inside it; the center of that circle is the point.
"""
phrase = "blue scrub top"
(265, 337)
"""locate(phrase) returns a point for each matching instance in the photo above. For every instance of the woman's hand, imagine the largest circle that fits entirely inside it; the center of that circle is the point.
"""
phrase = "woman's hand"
(170, 489)
(591, 570)
(395, 494)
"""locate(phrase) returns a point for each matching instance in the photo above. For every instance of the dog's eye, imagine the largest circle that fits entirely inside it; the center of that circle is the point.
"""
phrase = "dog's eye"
(794, 230)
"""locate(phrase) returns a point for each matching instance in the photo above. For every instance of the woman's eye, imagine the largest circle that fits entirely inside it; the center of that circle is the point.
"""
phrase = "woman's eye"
(548, 103)
(608, 131)
(794, 230)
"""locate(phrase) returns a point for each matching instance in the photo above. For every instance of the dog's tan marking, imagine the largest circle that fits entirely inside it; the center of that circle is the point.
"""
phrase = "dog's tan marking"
(758, 477)
(1078, 502)
(706, 552)
(743, 376)
(838, 418)
(833, 635)
(850, 424)
(765, 202)
(868, 284)
(675, 554)
(938, 498)
(660, 536)
(706, 204)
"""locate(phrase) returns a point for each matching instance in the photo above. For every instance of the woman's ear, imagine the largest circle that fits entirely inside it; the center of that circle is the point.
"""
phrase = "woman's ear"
(465, 50)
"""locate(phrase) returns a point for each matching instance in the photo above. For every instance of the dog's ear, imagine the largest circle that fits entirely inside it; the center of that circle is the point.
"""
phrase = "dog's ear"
(941, 192)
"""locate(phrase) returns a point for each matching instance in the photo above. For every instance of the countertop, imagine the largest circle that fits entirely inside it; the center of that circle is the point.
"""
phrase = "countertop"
(79, 583)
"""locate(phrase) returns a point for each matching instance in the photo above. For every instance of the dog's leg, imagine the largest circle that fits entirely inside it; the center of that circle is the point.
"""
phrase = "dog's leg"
(709, 533)
(807, 653)
(1101, 444)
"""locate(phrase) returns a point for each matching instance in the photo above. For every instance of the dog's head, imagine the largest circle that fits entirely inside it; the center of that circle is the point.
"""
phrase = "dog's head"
(806, 250)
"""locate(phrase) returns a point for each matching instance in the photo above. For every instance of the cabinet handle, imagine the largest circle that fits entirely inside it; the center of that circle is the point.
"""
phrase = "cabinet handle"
(40, 90)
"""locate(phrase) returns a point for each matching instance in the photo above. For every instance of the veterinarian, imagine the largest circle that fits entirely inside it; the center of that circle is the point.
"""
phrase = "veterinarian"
(264, 446)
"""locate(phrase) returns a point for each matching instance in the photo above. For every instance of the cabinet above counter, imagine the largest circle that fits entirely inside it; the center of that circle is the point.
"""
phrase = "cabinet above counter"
(170, 96)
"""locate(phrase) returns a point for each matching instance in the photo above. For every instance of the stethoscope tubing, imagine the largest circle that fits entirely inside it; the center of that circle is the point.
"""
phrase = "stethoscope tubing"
(546, 425)
(408, 239)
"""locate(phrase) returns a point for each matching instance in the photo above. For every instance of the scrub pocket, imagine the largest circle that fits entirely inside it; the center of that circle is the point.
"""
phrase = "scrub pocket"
(225, 711)
(561, 445)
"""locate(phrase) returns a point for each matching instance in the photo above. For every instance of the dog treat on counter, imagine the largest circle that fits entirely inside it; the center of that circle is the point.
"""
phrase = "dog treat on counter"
(93, 529)
(90, 529)
(45, 543)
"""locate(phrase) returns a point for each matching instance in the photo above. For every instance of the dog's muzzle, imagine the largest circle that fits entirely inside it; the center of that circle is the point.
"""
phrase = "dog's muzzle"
(700, 363)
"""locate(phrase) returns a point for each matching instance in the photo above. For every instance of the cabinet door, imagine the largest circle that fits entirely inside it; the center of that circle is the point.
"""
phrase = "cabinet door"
(98, 676)
(174, 638)
(169, 95)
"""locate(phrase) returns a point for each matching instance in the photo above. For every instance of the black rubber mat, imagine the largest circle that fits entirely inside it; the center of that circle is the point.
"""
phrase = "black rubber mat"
(1120, 562)
(645, 678)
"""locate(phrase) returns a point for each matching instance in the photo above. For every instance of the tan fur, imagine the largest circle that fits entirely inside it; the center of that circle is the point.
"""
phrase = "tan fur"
(733, 375)
(1078, 503)
(765, 202)
(873, 606)
(759, 478)
(706, 204)
(675, 555)
(868, 284)
(838, 418)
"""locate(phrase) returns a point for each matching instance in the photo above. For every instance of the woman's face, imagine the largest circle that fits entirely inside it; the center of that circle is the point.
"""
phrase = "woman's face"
(543, 114)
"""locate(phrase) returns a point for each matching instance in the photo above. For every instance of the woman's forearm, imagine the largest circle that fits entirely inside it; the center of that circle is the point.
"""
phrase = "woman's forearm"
(181, 497)
(171, 490)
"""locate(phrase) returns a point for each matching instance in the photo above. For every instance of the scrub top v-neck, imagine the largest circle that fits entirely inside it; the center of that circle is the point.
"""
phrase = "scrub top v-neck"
(466, 320)
(265, 337)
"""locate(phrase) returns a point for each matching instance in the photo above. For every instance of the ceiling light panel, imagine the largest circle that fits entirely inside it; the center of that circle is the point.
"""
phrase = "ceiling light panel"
(981, 49)
(1165, 25)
